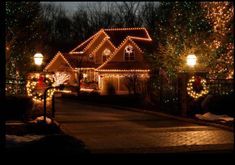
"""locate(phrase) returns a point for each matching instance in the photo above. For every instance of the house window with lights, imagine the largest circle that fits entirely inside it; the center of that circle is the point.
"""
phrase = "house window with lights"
(106, 54)
(129, 54)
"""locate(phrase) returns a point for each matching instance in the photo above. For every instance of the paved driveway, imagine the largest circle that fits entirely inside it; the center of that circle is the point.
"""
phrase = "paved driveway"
(111, 130)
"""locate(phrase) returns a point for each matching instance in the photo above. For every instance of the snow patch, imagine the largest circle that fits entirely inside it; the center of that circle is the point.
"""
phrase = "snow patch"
(15, 141)
(22, 139)
(40, 119)
(213, 117)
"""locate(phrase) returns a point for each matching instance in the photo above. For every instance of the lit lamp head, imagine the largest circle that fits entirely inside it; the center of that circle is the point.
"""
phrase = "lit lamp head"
(38, 57)
(191, 60)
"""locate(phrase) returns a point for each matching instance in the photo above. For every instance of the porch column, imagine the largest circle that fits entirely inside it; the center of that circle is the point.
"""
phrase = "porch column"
(118, 84)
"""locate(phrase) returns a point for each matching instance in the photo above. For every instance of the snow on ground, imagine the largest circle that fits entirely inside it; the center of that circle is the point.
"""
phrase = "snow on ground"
(13, 140)
(24, 138)
(41, 118)
(213, 117)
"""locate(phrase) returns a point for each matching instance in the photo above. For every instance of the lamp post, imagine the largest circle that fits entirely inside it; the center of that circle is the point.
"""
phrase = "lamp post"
(38, 58)
(191, 60)
(60, 87)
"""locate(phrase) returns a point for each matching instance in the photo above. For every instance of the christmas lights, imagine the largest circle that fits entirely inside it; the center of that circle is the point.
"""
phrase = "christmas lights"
(36, 86)
(196, 87)
(220, 16)
(93, 40)
(59, 54)
(60, 78)
(95, 36)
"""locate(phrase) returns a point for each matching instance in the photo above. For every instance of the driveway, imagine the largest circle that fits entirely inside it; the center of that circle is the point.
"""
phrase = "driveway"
(113, 130)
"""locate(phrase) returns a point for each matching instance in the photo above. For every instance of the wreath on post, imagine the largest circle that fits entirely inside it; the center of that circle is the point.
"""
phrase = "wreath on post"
(196, 87)
(36, 86)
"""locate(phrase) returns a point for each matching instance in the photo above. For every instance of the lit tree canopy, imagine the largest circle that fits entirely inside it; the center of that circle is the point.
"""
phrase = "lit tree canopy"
(181, 29)
(22, 24)
(220, 16)
(204, 28)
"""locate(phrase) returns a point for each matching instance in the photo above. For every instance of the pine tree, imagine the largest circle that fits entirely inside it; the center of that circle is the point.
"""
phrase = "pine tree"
(22, 24)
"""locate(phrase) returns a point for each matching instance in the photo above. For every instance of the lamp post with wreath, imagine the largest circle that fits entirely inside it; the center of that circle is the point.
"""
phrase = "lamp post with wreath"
(192, 85)
(41, 86)
(196, 85)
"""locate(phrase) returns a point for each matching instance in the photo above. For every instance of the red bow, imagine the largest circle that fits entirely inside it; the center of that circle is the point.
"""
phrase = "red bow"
(40, 82)
(197, 81)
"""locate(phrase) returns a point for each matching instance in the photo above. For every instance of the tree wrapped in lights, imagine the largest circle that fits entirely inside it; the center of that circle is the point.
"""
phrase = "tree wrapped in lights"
(60, 78)
(220, 15)
(22, 24)
(182, 29)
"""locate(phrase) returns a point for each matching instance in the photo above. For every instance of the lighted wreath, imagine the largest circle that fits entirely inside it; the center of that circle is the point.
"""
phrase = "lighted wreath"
(129, 49)
(37, 84)
(196, 87)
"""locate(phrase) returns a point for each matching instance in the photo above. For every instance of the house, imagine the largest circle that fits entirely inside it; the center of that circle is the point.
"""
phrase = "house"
(108, 59)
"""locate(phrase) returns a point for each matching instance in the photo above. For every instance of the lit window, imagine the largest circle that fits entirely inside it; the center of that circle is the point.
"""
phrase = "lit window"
(91, 57)
(106, 54)
(129, 54)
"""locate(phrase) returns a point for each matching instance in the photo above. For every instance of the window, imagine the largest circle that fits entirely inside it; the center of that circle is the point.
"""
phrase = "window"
(106, 54)
(129, 53)
(91, 58)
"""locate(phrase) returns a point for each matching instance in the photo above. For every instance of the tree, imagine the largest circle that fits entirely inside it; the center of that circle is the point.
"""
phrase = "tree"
(22, 22)
(59, 31)
(220, 16)
(100, 15)
(132, 83)
(62, 36)
(182, 29)
(80, 26)
(148, 13)
(128, 14)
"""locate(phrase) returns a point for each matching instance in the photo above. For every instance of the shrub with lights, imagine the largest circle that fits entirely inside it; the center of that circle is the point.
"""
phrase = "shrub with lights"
(196, 87)
(37, 84)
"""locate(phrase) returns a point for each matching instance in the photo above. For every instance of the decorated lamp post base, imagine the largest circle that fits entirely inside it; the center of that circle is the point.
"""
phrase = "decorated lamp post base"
(191, 87)
(60, 87)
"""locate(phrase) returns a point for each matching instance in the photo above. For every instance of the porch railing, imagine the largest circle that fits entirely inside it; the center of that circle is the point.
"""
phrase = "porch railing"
(220, 86)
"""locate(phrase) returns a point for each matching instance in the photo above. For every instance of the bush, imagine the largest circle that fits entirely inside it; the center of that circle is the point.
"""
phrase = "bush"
(17, 107)
(219, 104)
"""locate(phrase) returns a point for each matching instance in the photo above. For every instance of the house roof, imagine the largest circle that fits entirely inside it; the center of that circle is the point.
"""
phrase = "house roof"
(72, 59)
(83, 45)
(125, 66)
(102, 66)
(59, 54)
(116, 36)
(75, 61)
